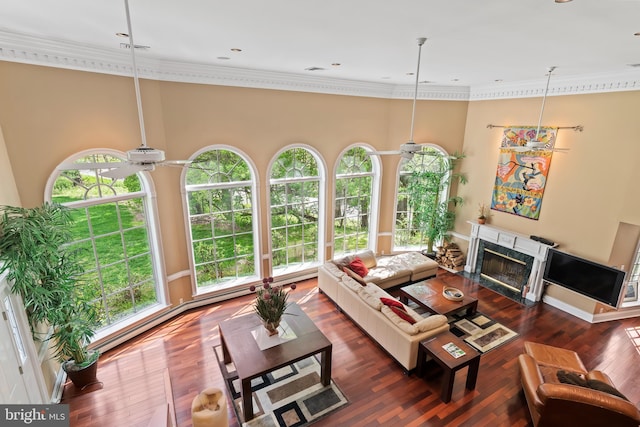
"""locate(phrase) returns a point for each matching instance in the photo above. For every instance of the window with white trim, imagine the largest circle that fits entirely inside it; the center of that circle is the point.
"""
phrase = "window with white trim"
(295, 188)
(432, 170)
(354, 186)
(631, 281)
(112, 228)
(220, 196)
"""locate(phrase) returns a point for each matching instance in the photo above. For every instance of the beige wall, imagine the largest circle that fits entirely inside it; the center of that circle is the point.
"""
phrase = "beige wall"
(590, 190)
(8, 190)
(47, 114)
(54, 113)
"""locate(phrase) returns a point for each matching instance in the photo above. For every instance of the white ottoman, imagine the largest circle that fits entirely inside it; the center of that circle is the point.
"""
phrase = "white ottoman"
(420, 265)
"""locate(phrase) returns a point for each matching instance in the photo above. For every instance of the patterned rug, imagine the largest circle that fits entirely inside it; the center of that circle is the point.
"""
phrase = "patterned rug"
(482, 332)
(288, 397)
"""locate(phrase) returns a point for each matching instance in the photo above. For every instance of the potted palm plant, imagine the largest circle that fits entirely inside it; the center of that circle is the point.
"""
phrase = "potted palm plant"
(44, 269)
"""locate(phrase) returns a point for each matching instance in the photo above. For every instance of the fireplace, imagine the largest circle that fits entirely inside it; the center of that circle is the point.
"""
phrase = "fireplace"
(507, 260)
(504, 267)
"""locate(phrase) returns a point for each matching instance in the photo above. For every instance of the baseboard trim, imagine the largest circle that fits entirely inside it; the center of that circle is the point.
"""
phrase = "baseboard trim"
(591, 317)
(58, 387)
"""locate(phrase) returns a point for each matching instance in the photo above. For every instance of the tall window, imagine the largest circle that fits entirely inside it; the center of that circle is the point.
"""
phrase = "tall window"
(111, 227)
(423, 188)
(221, 199)
(353, 226)
(633, 277)
(295, 188)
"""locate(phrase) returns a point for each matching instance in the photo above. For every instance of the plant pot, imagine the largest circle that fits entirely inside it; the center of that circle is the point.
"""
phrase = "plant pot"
(481, 220)
(81, 377)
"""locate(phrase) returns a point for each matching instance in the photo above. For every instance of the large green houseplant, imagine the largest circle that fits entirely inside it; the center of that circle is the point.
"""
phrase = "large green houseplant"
(43, 268)
(433, 210)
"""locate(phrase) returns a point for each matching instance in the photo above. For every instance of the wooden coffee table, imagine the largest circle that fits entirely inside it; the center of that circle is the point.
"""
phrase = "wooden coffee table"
(433, 348)
(428, 295)
(240, 347)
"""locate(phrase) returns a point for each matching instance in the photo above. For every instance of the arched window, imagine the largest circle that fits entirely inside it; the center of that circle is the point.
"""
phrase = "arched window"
(221, 200)
(356, 191)
(422, 211)
(296, 185)
(114, 228)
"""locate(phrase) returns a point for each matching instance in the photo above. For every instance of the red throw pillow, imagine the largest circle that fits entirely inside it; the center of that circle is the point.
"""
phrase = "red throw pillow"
(358, 266)
(403, 314)
(391, 302)
(355, 276)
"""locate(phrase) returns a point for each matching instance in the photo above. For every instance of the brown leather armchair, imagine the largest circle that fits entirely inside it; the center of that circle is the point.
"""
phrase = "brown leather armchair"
(552, 403)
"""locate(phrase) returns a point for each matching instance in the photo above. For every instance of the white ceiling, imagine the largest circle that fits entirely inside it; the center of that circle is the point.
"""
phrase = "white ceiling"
(471, 43)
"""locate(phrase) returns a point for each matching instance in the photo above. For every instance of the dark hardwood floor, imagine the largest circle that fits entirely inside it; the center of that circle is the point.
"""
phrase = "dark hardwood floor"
(380, 394)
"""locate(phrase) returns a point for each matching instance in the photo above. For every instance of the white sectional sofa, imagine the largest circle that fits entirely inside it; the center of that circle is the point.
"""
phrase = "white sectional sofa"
(392, 270)
(362, 304)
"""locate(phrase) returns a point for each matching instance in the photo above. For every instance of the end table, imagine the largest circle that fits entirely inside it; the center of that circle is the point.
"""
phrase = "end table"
(433, 347)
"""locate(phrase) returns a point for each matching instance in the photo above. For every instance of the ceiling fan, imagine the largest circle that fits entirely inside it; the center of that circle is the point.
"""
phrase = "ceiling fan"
(410, 148)
(142, 158)
(535, 143)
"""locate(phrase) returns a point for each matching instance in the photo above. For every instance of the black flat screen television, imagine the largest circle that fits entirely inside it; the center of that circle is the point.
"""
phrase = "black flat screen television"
(597, 281)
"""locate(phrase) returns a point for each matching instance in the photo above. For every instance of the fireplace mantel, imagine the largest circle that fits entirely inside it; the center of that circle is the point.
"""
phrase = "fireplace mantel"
(516, 242)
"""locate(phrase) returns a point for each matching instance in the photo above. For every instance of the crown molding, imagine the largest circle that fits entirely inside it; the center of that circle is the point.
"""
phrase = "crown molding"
(34, 50)
(572, 85)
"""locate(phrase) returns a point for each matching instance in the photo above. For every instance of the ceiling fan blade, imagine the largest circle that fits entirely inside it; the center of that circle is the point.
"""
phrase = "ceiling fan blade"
(525, 149)
(126, 170)
(433, 154)
(384, 153)
(90, 165)
(176, 162)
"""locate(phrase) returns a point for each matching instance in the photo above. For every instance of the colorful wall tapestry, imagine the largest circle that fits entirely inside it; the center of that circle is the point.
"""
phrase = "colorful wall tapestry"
(522, 174)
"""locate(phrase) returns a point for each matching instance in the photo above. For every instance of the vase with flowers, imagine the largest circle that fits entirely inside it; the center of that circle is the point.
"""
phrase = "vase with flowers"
(271, 303)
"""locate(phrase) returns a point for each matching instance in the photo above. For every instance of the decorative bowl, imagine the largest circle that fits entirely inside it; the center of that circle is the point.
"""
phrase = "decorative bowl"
(452, 294)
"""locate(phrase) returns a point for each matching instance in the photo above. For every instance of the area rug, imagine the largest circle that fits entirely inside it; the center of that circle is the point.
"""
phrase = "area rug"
(287, 397)
(482, 332)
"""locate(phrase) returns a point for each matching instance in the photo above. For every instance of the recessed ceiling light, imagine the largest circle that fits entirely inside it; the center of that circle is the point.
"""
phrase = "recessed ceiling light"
(385, 78)
(637, 34)
(314, 69)
(410, 74)
(122, 34)
(223, 58)
(336, 64)
(634, 65)
(235, 49)
(455, 80)
(563, 1)
(497, 80)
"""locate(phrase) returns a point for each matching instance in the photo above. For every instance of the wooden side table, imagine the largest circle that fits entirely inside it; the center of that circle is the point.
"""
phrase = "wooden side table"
(432, 347)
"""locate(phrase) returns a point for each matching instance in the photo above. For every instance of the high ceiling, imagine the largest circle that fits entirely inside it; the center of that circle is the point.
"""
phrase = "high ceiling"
(470, 43)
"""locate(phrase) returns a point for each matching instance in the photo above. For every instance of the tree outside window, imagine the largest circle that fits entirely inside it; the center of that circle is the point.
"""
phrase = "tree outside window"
(295, 188)
(111, 227)
(424, 212)
(220, 199)
(353, 195)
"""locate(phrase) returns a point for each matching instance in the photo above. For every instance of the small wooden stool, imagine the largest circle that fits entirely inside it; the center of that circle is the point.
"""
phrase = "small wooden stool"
(432, 347)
